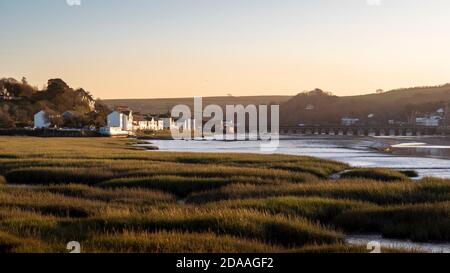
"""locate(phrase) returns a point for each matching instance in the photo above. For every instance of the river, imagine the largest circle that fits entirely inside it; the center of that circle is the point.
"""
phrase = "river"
(428, 156)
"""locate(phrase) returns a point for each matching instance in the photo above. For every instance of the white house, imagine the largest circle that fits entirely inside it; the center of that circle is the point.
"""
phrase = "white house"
(149, 125)
(42, 119)
(310, 107)
(169, 123)
(188, 124)
(429, 121)
(346, 121)
(121, 119)
(120, 123)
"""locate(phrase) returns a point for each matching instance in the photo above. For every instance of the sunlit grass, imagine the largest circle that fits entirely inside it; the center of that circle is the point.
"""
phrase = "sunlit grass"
(174, 242)
(428, 190)
(376, 174)
(115, 197)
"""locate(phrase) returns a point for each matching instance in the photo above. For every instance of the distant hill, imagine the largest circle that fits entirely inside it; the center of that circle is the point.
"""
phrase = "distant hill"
(163, 106)
(319, 107)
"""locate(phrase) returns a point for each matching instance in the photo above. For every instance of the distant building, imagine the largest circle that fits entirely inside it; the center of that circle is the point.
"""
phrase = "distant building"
(347, 121)
(429, 121)
(145, 124)
(121, 119)
(309, 107)
(447, 115)
(169, 123)
(43, 119)
(120, 123)
(188, 124)
(435, 119)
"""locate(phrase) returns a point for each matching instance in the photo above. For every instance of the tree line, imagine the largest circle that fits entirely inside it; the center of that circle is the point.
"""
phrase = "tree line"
(19, 101)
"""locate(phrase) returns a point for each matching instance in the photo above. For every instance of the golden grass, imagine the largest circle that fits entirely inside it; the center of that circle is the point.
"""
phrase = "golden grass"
(428, 190)
(174, 242)
(115, 197)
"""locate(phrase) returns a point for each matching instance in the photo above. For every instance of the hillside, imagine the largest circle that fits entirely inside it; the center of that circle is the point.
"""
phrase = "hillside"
(19, 101)
(318, 107)
(163, 106)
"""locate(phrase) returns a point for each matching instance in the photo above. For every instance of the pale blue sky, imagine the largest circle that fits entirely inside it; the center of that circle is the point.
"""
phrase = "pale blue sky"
(173, 48)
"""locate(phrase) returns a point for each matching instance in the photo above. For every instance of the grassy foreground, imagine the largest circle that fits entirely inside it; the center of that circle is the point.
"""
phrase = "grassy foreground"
(114, 197)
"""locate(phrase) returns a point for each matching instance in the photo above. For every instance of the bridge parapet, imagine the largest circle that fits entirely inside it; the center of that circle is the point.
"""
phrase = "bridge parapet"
(364, 130)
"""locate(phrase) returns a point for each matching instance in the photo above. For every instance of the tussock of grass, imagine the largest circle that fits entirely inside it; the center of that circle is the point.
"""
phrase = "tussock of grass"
(175, 242)
(331, 248)
(421, 222)
(58, 175)
(313, 208)
(410, 173)
(181, 186)
(387, 175)
(48, 203)
(149, 148)
(136, 197)
(13, 244)
(428, 190)
(275, 229)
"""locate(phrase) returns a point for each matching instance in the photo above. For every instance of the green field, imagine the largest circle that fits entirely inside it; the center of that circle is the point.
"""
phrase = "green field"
(112, 196)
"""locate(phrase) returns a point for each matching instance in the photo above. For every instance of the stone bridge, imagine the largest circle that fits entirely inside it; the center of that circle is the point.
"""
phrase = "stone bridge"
(364, 130)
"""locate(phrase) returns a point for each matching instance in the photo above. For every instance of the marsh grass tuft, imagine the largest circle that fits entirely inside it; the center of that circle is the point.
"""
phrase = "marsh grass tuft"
(380, 174)
(175, 242)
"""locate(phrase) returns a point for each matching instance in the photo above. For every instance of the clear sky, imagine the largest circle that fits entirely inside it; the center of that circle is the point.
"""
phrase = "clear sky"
(184, 48)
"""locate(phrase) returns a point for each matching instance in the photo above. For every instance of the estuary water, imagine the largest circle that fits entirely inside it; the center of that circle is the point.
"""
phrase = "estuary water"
(428, 156)
(394, 243)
